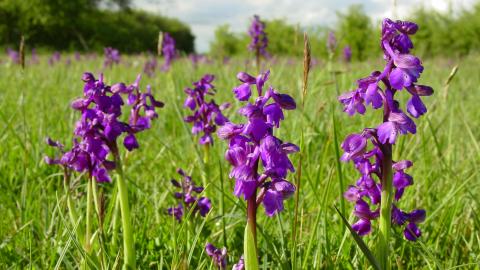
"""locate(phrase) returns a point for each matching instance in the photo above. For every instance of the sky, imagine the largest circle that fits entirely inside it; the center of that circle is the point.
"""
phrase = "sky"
(204, 16)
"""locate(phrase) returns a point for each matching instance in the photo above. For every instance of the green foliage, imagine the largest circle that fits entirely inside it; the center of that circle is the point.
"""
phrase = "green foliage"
(447, 35)
(355, 29)
(80, 24)
(284, 38)
(226, 43)
(250, 249)
(36, 232)
(439, 34)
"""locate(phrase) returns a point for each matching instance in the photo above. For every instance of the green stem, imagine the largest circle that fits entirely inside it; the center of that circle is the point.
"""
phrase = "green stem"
(252, 216)
(89, 215)
(128, 244)
(206, 154)
(71, 209)
(385, 208)
(115, 219)
(337, 148)
(99, 211)
(222, 205)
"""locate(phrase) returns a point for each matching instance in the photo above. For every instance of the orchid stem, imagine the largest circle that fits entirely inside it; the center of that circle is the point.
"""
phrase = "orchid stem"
(385, 208)
(89, 215)
(206, 153)
(115, 219)
(71, 209)
(252, 216)
(128, 243)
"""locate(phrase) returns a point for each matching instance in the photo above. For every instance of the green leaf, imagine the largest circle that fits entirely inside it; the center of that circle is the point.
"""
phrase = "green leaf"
(366, 251)
(249, 249)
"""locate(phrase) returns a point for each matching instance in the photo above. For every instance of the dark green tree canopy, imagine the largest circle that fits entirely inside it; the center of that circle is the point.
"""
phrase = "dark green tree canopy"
(85, 25)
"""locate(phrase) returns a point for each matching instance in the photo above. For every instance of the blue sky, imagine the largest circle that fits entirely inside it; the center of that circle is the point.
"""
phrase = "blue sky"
(204, 16)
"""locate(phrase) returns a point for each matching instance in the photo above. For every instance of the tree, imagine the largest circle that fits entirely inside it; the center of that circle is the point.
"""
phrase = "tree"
(355, 30)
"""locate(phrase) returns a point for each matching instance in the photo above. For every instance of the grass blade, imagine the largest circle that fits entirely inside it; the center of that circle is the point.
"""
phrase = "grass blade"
(363, 247)
(250, 251)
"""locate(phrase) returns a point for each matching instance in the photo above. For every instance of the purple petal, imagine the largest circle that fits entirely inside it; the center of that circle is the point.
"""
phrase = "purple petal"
(397, 78)
(387, 132)
(242, 92)
(415, 106)
(362, 227)
(130, 142)
(412, 232)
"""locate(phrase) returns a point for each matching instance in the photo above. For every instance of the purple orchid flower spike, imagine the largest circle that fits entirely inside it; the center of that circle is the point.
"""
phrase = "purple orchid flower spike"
(34, 57)
(112, 56)
(219, 256)
(253, 143)
(13, 55)
(95, 140)
(55, 58)
(331, 42)
(206, 115)
(259, 42)
(259, 39)
(97, 131)
(260, 162)
(347, 54)
(150, 66)
(169, 51)
(378, 191)
(188, 198)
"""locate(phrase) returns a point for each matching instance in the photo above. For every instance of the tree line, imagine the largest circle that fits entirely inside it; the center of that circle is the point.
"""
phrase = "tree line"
(439, 34)
(87, 25)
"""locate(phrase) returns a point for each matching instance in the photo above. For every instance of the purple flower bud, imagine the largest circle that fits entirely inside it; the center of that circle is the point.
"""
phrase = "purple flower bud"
(189, 199)
(402, 165)
(88, 77)
(240, 265)
(51, 161)
(415, 106)
(219, 256)
(246, 78)
(421, 90)
(242, 92)
(354, 146)
(130, 142)
(353, 102)
(352, 194)
(409, 28)
(285, 101)
(412, 232)
(362, 227)
(289, 148)
(204, 206)
(331, 42)
(402, 180)
(119, 88)
(347, 54)
(417, 216)
(53, 143)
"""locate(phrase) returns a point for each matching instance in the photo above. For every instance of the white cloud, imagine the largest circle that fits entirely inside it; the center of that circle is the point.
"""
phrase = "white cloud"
(204, 16)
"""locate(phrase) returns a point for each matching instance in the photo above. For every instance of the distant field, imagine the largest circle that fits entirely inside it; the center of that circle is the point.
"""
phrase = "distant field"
(35, 231)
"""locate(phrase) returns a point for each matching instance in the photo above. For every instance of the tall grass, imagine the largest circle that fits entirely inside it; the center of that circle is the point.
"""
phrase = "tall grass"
(36, 231)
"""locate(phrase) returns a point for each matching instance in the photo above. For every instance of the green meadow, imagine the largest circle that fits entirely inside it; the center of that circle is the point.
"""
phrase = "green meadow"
(36, 232)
